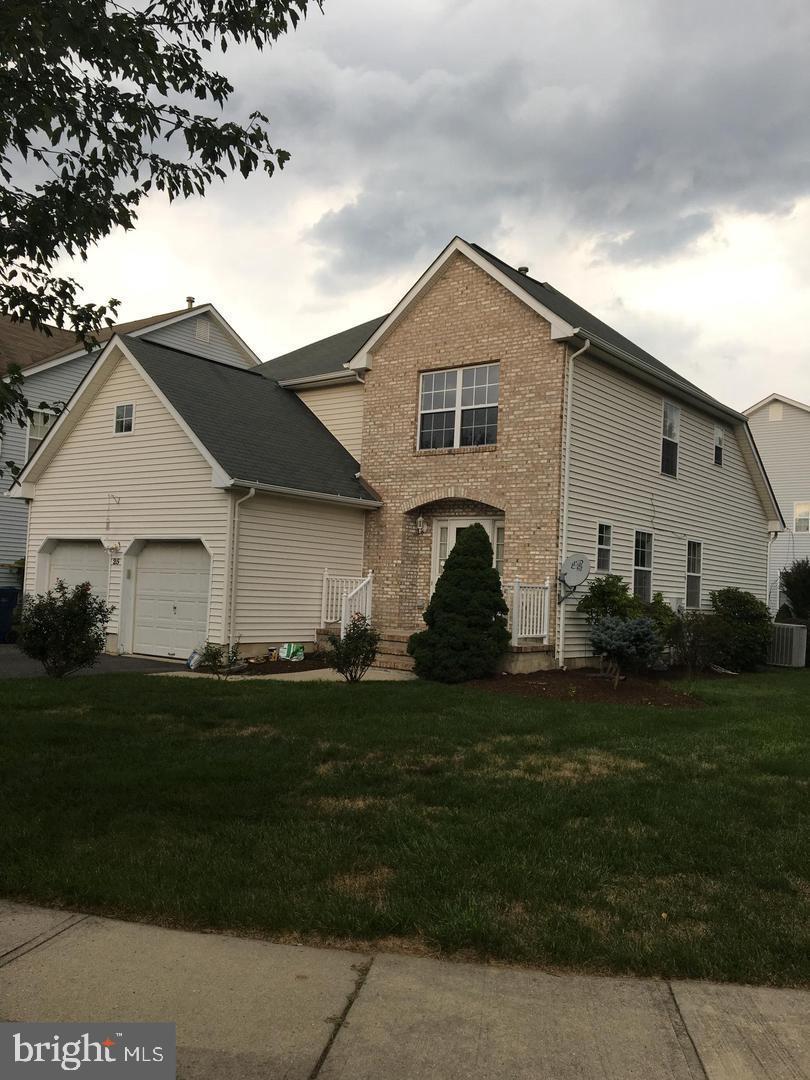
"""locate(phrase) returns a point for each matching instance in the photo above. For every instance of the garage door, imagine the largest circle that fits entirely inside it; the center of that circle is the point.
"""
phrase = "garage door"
(171, 599)
(77, 561)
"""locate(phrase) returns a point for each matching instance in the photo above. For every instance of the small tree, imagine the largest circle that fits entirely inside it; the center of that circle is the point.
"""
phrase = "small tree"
(744, 629)
(609, 595)
(796, 586)
(466, 633)
(625, 644)
(65, 629)
(696, 640)
(353, 654)
(220, 659)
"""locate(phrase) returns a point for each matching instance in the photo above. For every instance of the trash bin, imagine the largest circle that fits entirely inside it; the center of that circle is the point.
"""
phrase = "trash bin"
(8, 602)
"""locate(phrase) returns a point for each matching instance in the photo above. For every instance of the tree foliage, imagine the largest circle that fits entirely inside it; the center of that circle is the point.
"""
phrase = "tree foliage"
(609, 595)
(466, 633)
(100, 104)
(796, 585)
(625, 644)
(65, 629)
(354, 653)
(744, 629)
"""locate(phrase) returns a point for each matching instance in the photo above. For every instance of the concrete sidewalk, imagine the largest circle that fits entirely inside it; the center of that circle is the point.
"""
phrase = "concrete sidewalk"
(250, 1009)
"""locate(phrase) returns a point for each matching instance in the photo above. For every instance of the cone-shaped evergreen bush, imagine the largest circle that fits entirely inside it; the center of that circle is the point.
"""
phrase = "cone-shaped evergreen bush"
(466, 632)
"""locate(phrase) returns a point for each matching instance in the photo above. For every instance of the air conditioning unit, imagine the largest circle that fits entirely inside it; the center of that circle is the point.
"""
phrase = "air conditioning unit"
(788, 645)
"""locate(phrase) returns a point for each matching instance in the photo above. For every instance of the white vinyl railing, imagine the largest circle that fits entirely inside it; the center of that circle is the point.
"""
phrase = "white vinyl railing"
(529, 611)
(357, 602)
(335, 589)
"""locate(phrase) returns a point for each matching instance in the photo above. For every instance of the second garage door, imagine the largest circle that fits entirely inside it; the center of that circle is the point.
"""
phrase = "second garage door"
(77, 561)
(171, 598)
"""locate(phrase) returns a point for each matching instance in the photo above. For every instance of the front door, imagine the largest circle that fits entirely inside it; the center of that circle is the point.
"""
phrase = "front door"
(445, 534)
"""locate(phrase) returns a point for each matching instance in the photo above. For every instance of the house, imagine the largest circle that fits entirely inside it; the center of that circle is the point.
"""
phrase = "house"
(781, 427)
(210, 502)
(53, 373)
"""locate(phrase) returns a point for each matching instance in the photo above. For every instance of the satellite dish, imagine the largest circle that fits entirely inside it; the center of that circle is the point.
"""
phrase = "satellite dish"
(575, 570)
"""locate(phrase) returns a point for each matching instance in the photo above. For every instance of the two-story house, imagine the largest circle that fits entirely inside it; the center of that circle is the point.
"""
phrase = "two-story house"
(246, 504)
(781, 427)
(53, 369)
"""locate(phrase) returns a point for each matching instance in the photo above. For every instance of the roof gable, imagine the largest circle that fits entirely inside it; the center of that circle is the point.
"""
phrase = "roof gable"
(777, 397)
(323, 357)
(22, 345)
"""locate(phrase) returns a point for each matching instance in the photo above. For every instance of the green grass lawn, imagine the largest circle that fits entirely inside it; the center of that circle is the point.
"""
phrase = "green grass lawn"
(656, 841)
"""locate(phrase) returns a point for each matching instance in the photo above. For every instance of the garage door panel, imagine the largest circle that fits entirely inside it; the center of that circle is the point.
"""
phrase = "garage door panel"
(171, 598)
(77, 561)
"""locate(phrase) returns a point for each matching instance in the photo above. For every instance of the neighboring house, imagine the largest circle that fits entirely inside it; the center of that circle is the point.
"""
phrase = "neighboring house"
(781, 427)
(485, 395)
(53, 379)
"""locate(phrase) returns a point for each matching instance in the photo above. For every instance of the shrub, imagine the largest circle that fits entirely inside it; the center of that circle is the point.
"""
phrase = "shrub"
(663, 616)
(626, 644)
(744, 629)
(696, 640)
(466, 633)
(795, 581)
(65, 629)
(353, 654)
(219, 659)
(610, 595)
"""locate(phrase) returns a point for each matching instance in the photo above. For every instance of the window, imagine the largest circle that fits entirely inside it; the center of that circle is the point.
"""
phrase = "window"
(801, 517)
(500, 533)
(202, 329)
(669, 439)
(694, 569)
(459, 407)
(604, 541)
(642, 566)
(719, 435)
(38, 427)
(124, 416)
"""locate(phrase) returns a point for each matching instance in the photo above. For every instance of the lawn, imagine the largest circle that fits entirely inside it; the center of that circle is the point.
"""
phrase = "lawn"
(666, 841)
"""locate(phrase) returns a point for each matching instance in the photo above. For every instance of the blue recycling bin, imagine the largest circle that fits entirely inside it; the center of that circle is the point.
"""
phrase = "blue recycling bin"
(8, 602)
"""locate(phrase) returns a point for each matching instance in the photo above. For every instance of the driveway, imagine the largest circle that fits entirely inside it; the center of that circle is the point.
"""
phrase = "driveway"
(15, 665)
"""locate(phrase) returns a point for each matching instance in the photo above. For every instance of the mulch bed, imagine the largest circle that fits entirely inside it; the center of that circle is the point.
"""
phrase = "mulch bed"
(314, 662)
(587, 685)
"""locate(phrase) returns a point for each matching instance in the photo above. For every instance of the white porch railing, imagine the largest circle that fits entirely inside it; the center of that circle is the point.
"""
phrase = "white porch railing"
(357, 602)
(335, 588)
(529, 611)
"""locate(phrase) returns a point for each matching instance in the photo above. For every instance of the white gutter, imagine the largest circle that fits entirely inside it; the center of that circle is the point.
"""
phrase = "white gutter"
(234, 567)
(318, 496)
(569, 395)
(327, 379)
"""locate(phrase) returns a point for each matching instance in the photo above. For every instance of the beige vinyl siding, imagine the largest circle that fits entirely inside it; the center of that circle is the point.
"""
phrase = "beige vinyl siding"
(284, 547)
(785, 449)
(151, 483)
(339, 408)
(615, 478)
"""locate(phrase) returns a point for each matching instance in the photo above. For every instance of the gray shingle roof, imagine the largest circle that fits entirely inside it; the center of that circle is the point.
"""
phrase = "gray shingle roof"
(255, 429)
(324, 356)
(571, 312)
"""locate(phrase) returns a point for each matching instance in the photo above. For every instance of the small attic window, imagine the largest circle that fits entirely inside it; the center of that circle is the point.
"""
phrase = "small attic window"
(124, 418)
(775, 410)
(202, 329)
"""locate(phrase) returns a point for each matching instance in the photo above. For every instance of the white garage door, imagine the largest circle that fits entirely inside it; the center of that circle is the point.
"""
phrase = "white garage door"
(77, 561)
(171, 599)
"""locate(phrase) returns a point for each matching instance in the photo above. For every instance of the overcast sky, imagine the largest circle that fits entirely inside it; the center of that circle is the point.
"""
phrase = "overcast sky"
(649, 158)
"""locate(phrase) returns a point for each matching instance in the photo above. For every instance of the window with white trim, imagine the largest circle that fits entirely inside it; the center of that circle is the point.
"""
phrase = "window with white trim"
(604, 543)
(694, 572)
(124, 419)
(500, 534)
(38, 427)
(642, 566)
(719, 438)
(670, 435)
(801, 517)
(459, 407)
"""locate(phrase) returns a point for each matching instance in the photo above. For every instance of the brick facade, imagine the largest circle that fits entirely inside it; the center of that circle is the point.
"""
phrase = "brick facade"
(464, 317)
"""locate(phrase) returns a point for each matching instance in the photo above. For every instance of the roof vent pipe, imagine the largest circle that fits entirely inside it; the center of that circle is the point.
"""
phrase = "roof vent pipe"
(190, 302)
(523, 269)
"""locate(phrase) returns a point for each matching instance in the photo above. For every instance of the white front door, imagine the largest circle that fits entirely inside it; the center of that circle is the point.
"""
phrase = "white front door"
(171, 598)
(445, 534)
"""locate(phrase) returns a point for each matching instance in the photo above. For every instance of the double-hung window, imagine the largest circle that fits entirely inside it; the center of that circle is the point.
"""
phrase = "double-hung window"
(642, 566)
(801, 517)
(604, 543)
(719, 438)
(38, 427)
(694, 570)
(670, 435)
(459, 407)
(124, 419)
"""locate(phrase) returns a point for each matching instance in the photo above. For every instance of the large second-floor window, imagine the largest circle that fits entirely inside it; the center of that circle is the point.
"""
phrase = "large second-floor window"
(459, 407)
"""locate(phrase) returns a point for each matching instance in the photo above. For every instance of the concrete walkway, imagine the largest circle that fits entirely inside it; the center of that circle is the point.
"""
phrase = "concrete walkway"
(312, 675)
(248, 1009)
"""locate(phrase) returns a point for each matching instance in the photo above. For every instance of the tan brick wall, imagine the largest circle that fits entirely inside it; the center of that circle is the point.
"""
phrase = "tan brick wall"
(463, 318)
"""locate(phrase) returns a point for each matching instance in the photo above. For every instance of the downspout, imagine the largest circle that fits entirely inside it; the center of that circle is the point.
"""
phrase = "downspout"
(771, 537)
(569, 395)
(235, 563)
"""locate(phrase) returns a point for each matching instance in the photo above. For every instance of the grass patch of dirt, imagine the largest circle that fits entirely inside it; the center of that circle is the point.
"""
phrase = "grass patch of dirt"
(586, 685)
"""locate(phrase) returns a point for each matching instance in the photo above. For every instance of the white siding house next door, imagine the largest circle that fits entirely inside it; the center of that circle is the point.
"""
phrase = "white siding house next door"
(77, 561)
(171, 598)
